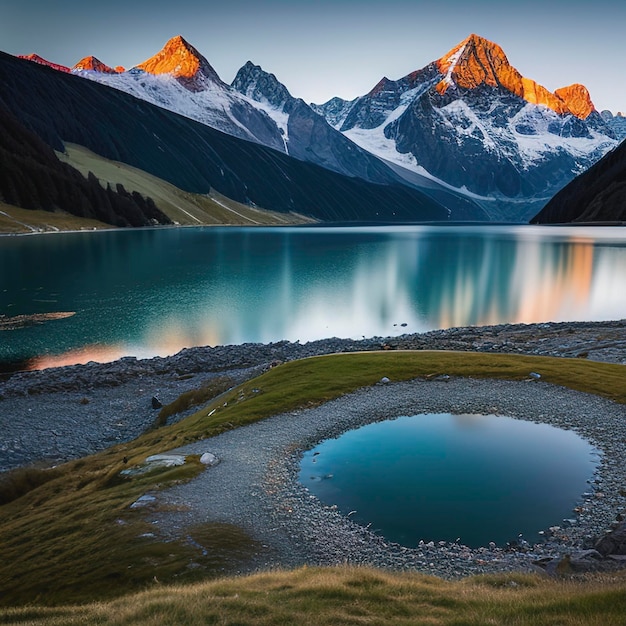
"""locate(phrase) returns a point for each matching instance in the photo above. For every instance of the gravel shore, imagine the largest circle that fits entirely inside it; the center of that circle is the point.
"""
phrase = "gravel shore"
(64, 413)
(255, 485)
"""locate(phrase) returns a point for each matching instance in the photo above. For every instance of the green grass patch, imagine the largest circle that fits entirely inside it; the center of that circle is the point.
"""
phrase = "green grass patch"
(73, 537)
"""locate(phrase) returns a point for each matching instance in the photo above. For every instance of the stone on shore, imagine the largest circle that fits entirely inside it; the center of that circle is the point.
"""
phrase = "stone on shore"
(209, 459)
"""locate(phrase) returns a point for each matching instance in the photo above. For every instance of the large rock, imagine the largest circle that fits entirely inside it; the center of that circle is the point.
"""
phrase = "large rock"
(613, 543)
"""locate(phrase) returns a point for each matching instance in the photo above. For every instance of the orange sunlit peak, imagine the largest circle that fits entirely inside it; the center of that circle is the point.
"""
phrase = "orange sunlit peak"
(577, 99)
(35, 58)
(177, 57)
(478, 61)
(181, 60)
(94, 64)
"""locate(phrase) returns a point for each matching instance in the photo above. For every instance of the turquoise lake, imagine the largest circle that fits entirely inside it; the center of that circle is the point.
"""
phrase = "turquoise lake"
(467, 478)
(155, 291)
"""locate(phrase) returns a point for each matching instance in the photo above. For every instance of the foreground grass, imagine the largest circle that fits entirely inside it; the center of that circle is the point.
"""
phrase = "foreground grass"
(332, 596)
(72, 537)
(180, 206)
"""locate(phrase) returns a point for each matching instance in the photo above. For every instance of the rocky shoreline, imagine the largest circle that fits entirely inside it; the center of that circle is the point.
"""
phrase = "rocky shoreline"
(260, 463)
(62, 413)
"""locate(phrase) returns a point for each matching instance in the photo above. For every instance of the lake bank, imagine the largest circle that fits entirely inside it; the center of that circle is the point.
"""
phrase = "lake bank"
(67, 412)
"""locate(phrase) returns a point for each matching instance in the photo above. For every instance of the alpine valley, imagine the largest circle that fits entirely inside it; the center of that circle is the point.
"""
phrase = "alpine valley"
(465, 138)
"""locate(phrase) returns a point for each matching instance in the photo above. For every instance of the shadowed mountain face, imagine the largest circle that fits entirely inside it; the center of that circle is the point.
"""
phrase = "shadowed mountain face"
(59, 107)
(597, 195)
(309, 137)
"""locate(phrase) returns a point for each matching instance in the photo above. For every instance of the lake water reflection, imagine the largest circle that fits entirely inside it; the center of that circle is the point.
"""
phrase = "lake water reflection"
(149, 292)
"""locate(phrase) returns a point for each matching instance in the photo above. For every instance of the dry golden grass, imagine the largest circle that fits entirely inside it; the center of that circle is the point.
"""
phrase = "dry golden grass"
(338, 596)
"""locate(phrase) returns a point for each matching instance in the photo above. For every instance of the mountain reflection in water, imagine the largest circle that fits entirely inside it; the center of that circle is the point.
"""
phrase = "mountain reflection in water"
(150, 292)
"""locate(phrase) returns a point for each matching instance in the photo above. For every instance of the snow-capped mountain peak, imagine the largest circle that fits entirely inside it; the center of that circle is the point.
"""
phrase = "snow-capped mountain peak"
(471, 120)
(180, 59)
(477, 61)
(94, 64)
(258, 85)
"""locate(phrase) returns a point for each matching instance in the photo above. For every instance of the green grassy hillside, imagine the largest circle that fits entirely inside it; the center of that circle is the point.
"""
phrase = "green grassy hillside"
(182, 207)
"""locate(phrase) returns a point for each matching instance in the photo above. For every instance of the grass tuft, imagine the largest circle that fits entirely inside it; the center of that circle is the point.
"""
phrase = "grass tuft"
(195, 397)
(18, 482)
(328, 596)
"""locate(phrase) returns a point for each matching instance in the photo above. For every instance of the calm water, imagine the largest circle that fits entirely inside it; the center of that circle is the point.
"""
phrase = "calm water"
(148, 292)
(447, 477)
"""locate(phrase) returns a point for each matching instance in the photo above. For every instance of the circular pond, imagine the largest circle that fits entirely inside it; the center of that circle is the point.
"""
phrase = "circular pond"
(443, 477)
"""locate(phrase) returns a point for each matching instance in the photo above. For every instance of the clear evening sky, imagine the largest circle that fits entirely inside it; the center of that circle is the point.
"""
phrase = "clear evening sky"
(325, 48)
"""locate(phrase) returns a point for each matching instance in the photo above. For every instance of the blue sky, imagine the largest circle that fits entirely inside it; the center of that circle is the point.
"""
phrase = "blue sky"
(320, 49)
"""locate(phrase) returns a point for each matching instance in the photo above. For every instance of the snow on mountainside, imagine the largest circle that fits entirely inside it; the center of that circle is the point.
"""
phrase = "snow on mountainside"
(180, 79)
(468, 127)
(309, 137)
(473, 121)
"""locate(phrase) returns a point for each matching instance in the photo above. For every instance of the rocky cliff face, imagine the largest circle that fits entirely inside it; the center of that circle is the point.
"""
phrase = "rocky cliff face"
(476, 62)
(307, 135)
(258, 85)
(617, 123)
(577, 99)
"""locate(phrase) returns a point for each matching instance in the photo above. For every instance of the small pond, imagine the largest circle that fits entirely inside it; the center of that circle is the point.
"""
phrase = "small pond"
(443, 477)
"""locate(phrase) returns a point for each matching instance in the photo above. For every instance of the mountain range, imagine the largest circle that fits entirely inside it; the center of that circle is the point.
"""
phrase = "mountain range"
(60, 107)
(467, 132)
(472, 120)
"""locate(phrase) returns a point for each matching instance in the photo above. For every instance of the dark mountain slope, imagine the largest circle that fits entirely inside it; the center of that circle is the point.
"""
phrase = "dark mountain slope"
(597, 195)
(60, 107)
(32, 177)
